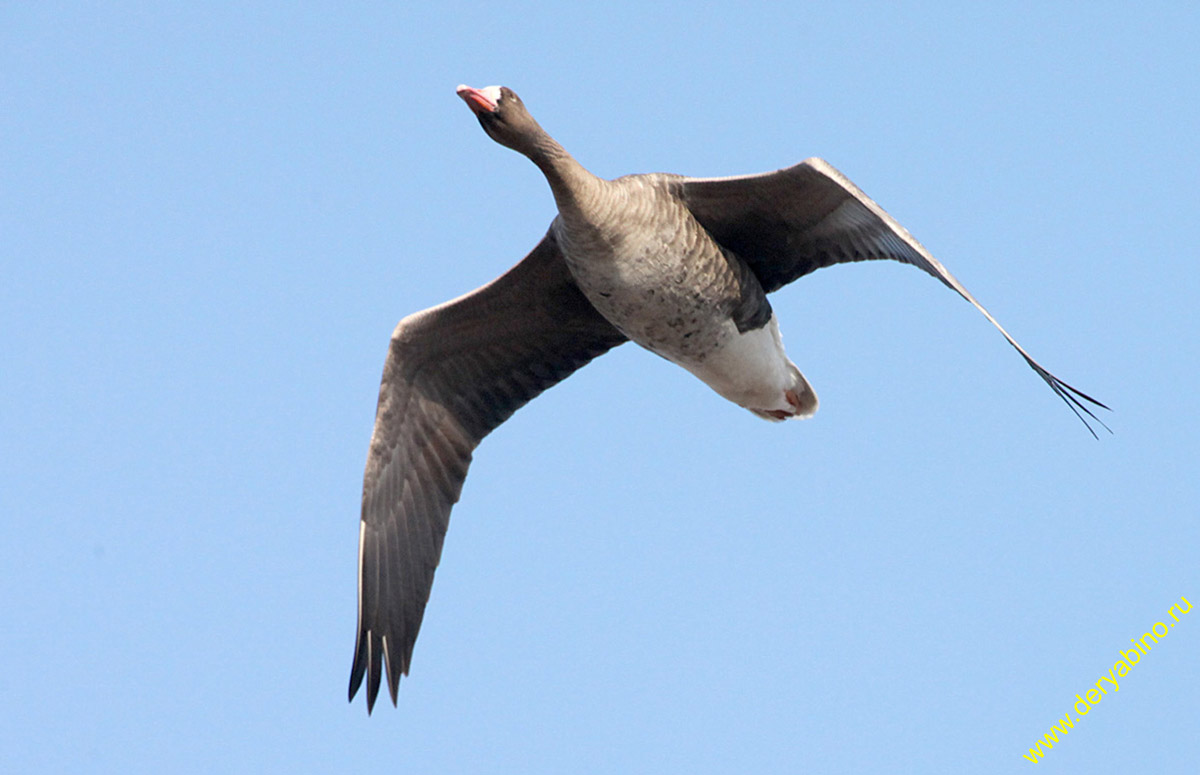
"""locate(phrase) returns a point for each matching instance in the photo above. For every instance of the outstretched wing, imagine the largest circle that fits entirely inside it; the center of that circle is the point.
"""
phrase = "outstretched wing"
(788, 223)
(453, 373)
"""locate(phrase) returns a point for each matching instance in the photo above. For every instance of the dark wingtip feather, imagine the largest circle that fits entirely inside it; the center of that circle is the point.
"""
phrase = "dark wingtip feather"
(1073, 398)
(356, 673)
(372, 692)
(370, 663)
(374, 669)
(393, 679)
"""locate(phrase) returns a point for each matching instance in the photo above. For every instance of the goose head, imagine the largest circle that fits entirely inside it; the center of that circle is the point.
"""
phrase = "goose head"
(504, 117)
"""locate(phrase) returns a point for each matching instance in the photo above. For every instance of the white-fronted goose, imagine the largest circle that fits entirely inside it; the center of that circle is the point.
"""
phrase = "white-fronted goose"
(682, 266)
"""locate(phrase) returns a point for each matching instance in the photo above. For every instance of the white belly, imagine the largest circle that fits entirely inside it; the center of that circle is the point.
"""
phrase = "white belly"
(753, 371)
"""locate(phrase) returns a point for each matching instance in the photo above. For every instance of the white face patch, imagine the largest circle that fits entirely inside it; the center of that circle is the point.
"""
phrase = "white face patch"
(492, 93)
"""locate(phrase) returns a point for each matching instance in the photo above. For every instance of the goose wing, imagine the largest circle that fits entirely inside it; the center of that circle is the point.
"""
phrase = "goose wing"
(453, 373)
(788, 223)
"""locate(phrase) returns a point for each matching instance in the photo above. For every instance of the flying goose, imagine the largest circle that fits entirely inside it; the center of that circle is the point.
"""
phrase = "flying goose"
(682, 266)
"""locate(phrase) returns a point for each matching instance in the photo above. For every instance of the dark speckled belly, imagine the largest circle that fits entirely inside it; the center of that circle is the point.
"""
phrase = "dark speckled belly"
(667, 286)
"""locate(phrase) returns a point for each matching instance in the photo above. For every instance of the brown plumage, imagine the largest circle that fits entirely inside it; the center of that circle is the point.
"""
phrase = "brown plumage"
(680, 265)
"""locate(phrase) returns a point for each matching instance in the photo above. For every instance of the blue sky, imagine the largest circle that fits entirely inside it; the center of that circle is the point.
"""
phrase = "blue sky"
(213, 217)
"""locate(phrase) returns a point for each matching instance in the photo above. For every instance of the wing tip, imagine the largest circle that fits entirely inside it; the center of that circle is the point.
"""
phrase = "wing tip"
(372, 664)
(1074, 399)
